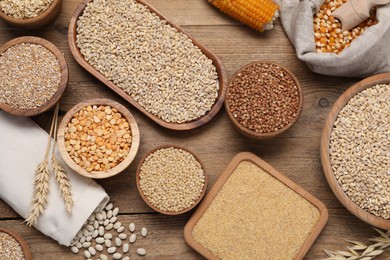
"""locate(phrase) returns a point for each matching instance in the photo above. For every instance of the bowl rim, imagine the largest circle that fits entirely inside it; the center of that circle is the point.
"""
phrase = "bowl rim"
(20, 21)
(262, 136)
(122, 165)
(140, 191)
(188, 125)
(324, 149)
(220, 183)
(22, 242)
(64, 75)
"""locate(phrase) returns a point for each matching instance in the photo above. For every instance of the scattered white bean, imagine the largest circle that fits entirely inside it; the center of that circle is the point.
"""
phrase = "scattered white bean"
(144, 232)
(78, 245)
(99, 216)
(106, 222)
(86, 244)
(120, 229)
(126, 258)
(109, 206)
(107, 243)
(109, 214)
(115, 212)
(108, 236)
(111, 250)
(122, 236)
(103, 257)
(101, 231)
(117, 225)
(141, 251)
(132, 227)
(100, 240)
(99, 248)
(82, 239)
(113, 219)
(125, 248)
(118, 242)
(104, 214)
(92, 250)
(109, 226)
(95, 224)
(74, 250)
(87, 254)
(91, 218)
(89, 238)
(90, 228)
(117, 256)
(133, 238)
(95, 233)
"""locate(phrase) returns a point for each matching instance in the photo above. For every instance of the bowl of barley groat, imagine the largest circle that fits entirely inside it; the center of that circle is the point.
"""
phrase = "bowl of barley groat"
(34, 15)
(98, 138)
(263, 100)
(13, 246)
(171, 179)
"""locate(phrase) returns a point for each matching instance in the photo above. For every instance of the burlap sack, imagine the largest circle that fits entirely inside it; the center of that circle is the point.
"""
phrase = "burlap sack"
(368, 54)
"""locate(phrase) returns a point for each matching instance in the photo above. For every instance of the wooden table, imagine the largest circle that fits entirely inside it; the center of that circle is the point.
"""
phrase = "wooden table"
(296, 153)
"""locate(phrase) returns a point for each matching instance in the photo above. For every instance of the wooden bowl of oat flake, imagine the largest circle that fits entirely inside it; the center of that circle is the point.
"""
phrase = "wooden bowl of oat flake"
(33, 76)
(13, 246)
(98, 138)
(35, 15)
(355, 150)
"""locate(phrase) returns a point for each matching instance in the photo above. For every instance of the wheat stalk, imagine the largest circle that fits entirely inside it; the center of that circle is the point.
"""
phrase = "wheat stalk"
(59, 172)
(41, 185)
(370, 251)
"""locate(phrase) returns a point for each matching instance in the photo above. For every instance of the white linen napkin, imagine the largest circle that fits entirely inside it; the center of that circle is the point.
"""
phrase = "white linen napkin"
(22, 148)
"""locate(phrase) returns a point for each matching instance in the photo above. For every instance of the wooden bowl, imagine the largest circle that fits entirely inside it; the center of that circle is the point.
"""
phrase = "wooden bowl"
(121, 166)
(36, 22)
(142, 193)
(219, 184)
(248, 132)
(174, 126)
(63, 82)
(23, 244)
(325, 157)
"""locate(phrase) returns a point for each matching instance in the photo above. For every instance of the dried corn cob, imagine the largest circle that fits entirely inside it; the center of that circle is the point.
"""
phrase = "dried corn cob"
(258, 14)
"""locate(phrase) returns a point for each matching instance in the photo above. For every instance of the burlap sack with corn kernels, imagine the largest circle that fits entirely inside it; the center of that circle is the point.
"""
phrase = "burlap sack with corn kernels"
(368, 54)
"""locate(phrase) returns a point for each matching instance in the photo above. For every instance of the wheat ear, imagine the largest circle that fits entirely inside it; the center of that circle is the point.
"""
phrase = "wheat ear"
(369, 251)
(60, 173)
(41, 185)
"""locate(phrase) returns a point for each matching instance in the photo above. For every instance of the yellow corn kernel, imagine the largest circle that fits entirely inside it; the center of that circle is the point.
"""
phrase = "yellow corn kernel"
(255, 13)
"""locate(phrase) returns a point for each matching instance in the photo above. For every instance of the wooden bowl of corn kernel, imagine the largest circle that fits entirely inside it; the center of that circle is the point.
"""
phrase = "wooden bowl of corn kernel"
(37, 15)
(98, 138)
(171, 179)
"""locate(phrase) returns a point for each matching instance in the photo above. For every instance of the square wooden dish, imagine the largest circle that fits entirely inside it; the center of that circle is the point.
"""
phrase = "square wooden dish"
(220, 183)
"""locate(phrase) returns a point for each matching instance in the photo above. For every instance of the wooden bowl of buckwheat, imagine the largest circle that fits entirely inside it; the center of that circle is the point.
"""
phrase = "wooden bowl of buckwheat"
(98, 138)
(171, 179)
(32, 16)
(355, 150)
(263, 100)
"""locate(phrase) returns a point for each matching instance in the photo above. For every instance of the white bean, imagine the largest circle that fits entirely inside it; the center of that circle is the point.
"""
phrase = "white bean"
(109, 206)
(133, 238)
(111, 250)
(122, 236)
(108, 236)
(141, 251)
(125, 248)
(74, 250)
(101, 231)
(100, 240)
(144, 232)
(113, 219)
(103, 257)
(115, 212)
(109, 226)
(107, 243)
(99, 248)
(120, 229)
(117, 256)
(117, 225)
(118, 242)
(86, 244)
(87, 254)
(92, 250)
(95, 233)
(132, 227)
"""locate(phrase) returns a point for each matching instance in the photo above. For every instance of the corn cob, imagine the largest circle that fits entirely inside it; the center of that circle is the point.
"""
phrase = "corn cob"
(258, 14)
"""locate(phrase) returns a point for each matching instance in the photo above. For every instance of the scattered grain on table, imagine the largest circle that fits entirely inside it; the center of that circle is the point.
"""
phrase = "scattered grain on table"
(24, 9)
(360, 149)
(255, 216)
(171, 179)
(154, 63)
(30, 75)
(10, 248)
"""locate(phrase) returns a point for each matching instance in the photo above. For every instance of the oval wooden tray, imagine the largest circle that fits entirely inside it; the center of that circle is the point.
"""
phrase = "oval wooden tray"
(252, 134)
(147, 201)
(246, 156)
(121, 166)
(174, 126)
(33, 23)
(64, 76)
(325, 158)
(21, 241)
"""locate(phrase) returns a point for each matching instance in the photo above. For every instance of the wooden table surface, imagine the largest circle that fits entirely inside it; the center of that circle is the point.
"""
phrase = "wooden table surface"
(295, 153)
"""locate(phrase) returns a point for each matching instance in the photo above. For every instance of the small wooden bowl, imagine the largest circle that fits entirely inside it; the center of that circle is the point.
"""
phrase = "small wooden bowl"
(121, 166)
(64, 76)
(325, 157)
(174, 126)
(142, 193)
(23, 244)
(252, 134)
(219, 184)
(36, 22)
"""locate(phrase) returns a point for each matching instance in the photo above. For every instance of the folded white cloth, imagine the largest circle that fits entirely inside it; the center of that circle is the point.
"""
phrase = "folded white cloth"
(22, 148)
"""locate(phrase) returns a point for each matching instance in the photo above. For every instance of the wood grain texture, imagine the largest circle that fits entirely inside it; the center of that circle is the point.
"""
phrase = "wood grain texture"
(135, 139)
(170, 125)
(141, 193)
(296, 153)
(219, 184)
(63, 81)
(325, 154)
(36, 22)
